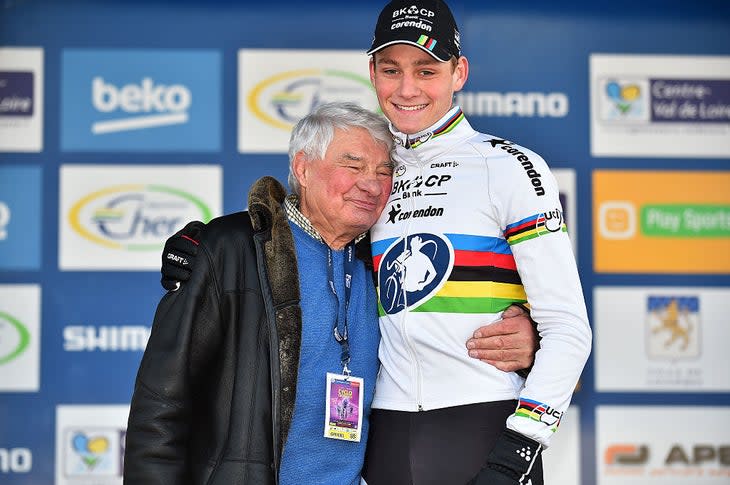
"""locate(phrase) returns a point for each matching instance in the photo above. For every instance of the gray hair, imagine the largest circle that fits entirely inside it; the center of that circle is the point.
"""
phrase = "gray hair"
(313, 134)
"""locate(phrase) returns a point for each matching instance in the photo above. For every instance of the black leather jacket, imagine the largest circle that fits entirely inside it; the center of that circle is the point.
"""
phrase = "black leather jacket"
(215, 390)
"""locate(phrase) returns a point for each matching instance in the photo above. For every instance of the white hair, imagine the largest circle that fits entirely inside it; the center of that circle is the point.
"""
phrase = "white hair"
(313, 134)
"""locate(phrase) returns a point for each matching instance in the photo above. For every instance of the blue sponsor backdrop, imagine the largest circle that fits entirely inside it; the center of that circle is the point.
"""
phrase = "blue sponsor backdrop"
(534, 46)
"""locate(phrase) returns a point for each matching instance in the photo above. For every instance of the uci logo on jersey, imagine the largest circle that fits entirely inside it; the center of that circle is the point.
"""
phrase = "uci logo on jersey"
(412, 270)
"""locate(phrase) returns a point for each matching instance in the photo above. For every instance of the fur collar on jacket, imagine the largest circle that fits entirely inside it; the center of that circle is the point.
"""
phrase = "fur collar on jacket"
(269, 220)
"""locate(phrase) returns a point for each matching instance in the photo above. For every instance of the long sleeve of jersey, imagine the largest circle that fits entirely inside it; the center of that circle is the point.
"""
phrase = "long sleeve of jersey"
(525, 197)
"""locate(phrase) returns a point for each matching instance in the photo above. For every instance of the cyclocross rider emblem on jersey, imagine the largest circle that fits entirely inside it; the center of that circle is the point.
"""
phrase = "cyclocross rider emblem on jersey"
(412, 270)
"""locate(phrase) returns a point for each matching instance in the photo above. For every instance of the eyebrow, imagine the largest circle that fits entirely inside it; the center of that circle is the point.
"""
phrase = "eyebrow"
(420, 62)
(350, 156)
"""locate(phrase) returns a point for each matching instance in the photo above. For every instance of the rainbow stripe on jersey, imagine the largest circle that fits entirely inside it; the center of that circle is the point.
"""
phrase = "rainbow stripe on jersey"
(444, 128)
(483, 279)
(529, 228)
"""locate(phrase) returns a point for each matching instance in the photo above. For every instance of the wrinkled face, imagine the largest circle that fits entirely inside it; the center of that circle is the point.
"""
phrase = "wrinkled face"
(414, 89)
(344, 193)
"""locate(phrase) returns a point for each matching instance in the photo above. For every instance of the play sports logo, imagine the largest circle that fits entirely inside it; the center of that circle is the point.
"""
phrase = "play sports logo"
(160, 100)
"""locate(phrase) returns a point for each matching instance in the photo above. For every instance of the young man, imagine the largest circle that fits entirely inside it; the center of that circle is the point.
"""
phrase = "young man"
(473, 224)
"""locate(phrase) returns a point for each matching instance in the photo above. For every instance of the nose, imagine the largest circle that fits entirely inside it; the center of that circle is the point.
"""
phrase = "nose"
(408, 87)
(370, 184)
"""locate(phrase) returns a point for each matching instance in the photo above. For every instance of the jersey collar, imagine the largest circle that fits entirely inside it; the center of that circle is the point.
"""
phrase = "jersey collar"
(453, 121)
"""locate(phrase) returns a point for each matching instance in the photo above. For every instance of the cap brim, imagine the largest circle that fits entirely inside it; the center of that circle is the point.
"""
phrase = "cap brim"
(409, 42)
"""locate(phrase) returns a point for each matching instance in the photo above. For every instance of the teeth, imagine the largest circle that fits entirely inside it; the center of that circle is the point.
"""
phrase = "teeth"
(411, 108)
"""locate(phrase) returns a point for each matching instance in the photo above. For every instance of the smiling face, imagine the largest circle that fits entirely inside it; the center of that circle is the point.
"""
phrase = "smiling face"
(414, 89)
(344, 193)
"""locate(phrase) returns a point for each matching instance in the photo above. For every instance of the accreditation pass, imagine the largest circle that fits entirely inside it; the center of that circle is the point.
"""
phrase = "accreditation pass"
(344, 408)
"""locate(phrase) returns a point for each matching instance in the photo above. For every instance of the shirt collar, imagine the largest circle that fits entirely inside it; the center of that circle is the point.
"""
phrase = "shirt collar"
(446, 124)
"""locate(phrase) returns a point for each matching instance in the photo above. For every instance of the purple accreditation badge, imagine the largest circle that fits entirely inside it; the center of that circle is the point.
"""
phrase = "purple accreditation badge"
(344, 408)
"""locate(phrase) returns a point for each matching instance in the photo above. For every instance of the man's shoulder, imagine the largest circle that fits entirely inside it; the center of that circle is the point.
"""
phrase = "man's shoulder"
(492, 146)
(227, 227)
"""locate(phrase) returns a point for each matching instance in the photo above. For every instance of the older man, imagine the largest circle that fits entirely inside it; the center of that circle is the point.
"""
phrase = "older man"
(250, 364)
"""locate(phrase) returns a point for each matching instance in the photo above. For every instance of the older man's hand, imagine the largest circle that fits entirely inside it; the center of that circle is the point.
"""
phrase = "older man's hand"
(508, 344)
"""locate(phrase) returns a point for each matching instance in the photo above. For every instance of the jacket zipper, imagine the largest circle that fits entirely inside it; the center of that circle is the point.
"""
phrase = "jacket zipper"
(274, 362)
(406, 336)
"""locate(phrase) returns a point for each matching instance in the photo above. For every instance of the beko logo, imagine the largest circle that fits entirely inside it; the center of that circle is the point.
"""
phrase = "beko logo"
(157, 104)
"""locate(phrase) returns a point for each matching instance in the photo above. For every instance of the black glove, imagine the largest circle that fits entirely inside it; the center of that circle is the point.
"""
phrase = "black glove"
(179, 255)
(510, 461)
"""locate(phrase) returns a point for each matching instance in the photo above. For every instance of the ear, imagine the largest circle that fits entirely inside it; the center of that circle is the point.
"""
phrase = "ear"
(372, 70)
(461, 73)
(300, 166)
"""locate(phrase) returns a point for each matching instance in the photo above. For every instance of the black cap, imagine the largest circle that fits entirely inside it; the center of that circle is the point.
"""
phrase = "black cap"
(427, 24)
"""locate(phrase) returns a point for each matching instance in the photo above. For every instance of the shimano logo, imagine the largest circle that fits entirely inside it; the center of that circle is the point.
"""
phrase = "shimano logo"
(156, 105)
(77, 338)
(15, 460)
(527, 165)
(526, 105)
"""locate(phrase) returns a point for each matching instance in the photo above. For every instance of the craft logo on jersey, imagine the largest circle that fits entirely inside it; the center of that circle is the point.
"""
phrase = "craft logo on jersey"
(412, 270)
(160, 100)
(14, 338)
(673, 327)
(624, 100)
(93, 452)
(135, 217)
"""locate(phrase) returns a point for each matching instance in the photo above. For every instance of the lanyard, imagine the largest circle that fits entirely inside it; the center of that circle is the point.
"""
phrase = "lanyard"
(341, 336)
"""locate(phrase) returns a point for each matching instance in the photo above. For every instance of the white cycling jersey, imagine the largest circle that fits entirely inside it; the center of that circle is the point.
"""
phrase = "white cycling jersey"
(474, 224)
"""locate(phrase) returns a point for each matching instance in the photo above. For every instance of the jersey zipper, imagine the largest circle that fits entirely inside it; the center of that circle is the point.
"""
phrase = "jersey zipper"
(406, 313)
